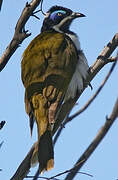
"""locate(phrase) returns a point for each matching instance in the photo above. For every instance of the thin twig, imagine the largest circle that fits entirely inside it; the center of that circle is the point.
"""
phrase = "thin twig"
(87, 104)
(2, 123)
(70, 170)
(36, 16)
(1, 143)
(99, 137)
(40, 177)
(1, 1)
(62, 173)
(36, 176)
(40, 10)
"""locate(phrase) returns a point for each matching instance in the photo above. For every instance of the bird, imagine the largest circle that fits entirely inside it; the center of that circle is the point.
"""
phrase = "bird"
(53, 70)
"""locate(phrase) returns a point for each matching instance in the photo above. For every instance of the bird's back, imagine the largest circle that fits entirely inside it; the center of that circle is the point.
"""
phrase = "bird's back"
(50, 58)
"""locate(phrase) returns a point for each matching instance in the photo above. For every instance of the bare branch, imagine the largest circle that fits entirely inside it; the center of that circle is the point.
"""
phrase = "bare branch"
(1, 1)
(101, 60)
(2, 123)
(62, 173)
(104, 57)
(94, 96)
(101, 134)
(20, 33)
(36, 174)
(1, 143)
(67, 106)
(24, 167)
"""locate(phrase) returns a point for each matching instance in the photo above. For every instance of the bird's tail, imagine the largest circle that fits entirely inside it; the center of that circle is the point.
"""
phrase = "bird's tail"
(44, 148)
(45, 152)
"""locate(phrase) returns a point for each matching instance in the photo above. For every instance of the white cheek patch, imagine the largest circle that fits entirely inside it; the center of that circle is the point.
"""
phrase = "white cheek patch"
(57, 27)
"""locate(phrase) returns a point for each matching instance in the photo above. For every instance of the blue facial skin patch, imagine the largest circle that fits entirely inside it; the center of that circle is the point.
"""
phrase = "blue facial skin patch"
(55, 14)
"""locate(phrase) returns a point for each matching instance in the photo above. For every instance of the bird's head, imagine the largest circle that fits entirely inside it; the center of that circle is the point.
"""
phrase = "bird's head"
(59, 19)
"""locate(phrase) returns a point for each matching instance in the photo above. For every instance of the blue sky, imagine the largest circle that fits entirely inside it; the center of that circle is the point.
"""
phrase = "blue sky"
(94, 31)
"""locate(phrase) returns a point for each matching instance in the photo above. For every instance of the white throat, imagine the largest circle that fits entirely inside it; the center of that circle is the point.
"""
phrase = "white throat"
(75, 40)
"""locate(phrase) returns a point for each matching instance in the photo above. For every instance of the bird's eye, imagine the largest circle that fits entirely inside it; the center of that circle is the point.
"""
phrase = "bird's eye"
(59, 14)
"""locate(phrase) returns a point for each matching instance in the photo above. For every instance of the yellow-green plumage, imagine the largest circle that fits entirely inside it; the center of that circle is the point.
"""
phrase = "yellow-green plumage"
(47, 65)
(47, 52)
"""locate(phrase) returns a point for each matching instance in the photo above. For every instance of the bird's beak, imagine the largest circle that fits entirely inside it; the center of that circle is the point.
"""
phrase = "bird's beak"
(77, 15)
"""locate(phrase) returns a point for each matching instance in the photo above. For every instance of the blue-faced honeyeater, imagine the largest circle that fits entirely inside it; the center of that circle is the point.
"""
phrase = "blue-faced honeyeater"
(53, 70)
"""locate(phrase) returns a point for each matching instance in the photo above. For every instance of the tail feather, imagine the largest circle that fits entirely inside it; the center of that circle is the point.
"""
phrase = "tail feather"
(45, 152)
(44, 148)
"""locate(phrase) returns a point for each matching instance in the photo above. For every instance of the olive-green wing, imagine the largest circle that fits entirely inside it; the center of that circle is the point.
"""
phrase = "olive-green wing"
(49, 54)
(47, 65)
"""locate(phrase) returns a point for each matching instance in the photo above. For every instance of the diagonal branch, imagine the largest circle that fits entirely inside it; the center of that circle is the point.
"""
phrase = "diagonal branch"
(68, 119)
(1, 1)
(94, 96)
(101, 60)
(24, 167)
(60, 174)
(20, 34)
(2, 123)
(101, 134)
(1, 143)
(66, 107)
